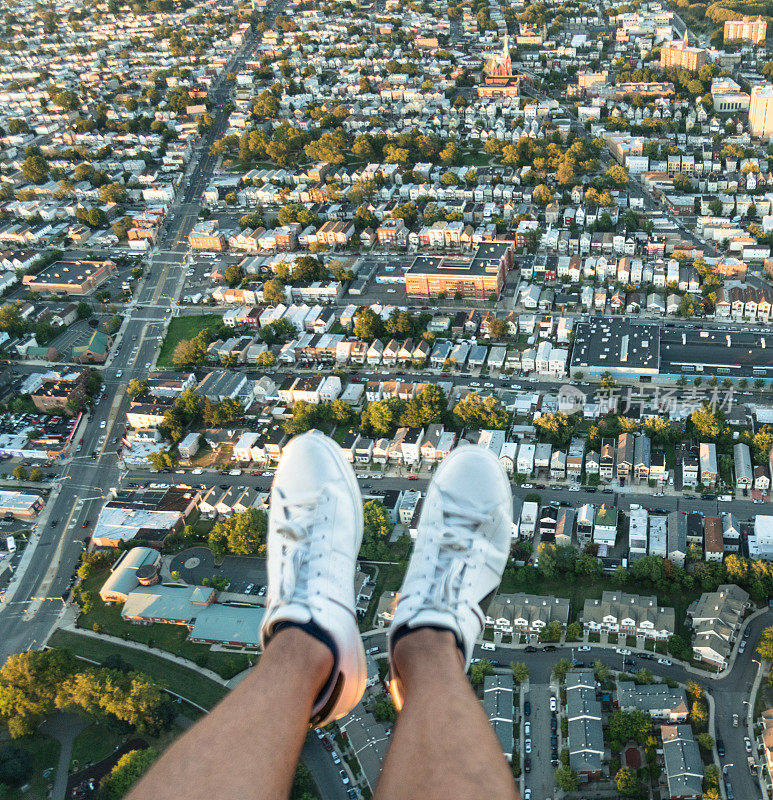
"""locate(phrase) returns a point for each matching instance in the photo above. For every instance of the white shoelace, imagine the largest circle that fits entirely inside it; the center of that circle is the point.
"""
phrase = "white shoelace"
(294, 523)
(460, 524)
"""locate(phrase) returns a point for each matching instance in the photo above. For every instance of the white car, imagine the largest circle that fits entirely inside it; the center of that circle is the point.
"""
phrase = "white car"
(735, 720)
(527, 794)
(574, 488)
(553, 703)
(336, 757)
(527, 728)
(102, 424)
(622, 651)
(747, 744)
(197, 471)
(119, 373)
(584, 648)
(527, 745)
(664, 661)
(742, 646)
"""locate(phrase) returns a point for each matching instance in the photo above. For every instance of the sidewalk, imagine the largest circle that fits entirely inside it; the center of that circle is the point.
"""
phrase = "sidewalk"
(183, 662)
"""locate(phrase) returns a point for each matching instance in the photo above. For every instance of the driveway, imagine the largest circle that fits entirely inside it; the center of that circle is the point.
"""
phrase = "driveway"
(64, 728)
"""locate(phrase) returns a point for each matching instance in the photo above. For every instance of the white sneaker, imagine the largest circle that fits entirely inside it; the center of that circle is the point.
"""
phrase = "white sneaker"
(461, 549)
(314, 535)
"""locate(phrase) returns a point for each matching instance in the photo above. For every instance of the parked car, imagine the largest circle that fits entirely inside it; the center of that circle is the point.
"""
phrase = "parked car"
(747, 633)
(551, 648)
(527, 708)
(720, 748)
(527, 794)
(665, 662)
(336, 757)
(742, 646)
(527, 745)
(584, 648)
(344, 777)
(747, 744)
(530, 648)
(553, 703)
(527, 764)
(622, 651)
(527, 728)
(735, 720)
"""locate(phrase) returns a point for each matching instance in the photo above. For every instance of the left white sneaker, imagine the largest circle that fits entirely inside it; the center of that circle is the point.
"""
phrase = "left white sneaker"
(314, 536)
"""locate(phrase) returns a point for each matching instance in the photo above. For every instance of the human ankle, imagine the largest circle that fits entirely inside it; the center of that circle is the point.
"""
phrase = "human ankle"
(294, 648)
(426, 650)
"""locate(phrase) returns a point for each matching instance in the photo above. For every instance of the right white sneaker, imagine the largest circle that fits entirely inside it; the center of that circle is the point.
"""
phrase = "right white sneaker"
(461, 550)
(314, 536)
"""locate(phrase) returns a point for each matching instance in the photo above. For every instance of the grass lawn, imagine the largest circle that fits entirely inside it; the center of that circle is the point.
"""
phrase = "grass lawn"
(94, 743)
(181, 328)
(45, 754)
(171, 638)
(475, 159)
(184, 681)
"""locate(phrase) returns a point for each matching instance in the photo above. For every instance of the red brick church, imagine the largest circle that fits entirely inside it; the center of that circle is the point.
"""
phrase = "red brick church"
(498, 78)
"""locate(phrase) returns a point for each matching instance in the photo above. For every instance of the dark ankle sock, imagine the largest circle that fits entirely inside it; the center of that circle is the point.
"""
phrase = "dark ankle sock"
(405, 630)
(314, 630)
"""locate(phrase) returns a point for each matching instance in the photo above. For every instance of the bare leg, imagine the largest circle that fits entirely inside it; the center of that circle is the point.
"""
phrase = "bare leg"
(249, 746)
(443, 746)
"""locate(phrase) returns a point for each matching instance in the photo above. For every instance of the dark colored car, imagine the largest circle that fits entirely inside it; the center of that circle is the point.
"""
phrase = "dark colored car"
(527, 708)
(527, 764)
(553, 724)
(53, 523)
(721, 748)
(550, 648)
(554, 741)
(86, 523)
(530, 649)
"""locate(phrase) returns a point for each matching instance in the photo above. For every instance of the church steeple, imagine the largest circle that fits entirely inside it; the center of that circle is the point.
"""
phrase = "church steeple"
(506, 47)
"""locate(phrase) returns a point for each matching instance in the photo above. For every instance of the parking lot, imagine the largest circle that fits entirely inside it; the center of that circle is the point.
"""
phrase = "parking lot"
(243, 573)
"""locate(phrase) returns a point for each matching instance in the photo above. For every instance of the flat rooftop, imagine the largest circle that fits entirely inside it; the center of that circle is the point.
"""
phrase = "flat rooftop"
(733, 353)
(616, 344)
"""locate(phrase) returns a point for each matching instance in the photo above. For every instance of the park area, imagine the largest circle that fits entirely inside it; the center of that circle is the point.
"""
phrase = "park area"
(183, 328)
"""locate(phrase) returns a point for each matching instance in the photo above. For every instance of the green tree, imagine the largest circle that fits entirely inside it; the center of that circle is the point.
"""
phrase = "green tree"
(34, 168)
(36, 475)
(384, 711)
(20, 473)
(129, 769)
(573, 631)
(274, 291)
(368, 325)
(520, 671)
(617, 175)
(627, 725)
(765, 645)
(706, 741)
(707, 423)
(627, 782)
(243, 534)
(377, 529)
(479, 671)
(136, 388)
(566, 779)
(542, 195)
(560, 668)
(16, 765)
